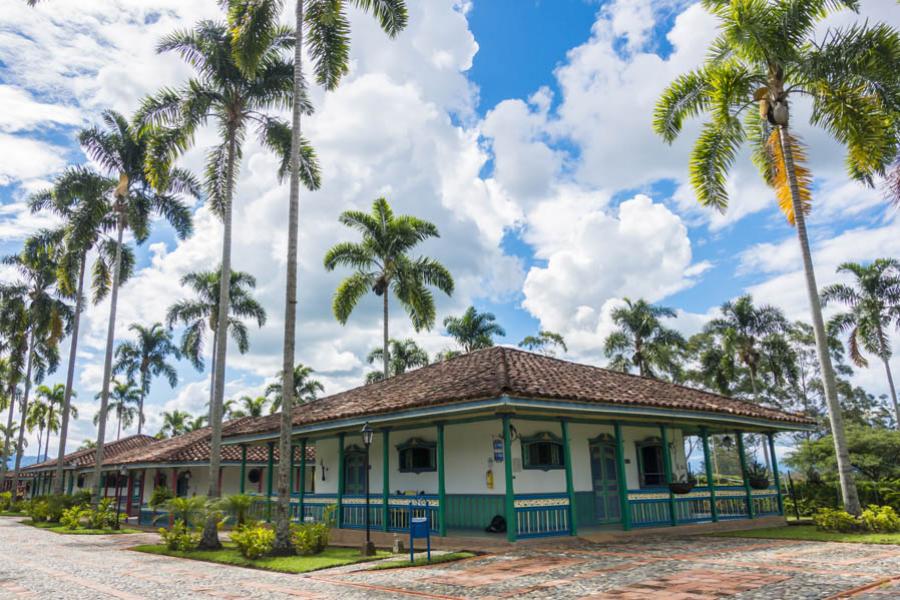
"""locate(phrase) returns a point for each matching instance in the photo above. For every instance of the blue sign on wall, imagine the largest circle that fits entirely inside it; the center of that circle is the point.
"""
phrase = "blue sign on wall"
(498, 450)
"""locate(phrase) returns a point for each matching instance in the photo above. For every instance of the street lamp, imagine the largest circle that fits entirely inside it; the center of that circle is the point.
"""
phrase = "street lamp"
(123, 472)
(367, 432)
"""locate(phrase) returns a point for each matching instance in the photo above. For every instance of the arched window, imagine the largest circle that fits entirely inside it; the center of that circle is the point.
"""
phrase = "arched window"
(543, 451)
(417, 456)
(651, 468)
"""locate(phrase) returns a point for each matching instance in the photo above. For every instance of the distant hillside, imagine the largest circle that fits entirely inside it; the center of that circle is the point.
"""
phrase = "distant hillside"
(26, 460)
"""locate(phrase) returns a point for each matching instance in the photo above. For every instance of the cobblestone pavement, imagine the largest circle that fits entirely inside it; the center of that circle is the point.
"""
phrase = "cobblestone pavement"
(42, 564)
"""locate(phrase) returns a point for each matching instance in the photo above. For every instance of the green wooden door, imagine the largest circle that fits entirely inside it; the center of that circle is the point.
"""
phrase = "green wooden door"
(605, 480)
(354, 472)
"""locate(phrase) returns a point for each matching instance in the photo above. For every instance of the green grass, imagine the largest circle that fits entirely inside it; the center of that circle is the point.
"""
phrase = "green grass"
(229, 555)
(57, 528)
(6, 513)
(810, 533)
(435, 559)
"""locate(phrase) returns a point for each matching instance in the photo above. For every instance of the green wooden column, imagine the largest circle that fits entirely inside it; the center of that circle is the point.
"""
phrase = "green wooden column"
(270, 471)
(775, 474)
(385, 478)
(71, 484)
(624, 506)
(442, 496)
(243, 468)
(743, 460)
(302, 477)
(291, 480)
(570, 487)
(511, 523)
(707, 464)
(340, 483)
(667, 464)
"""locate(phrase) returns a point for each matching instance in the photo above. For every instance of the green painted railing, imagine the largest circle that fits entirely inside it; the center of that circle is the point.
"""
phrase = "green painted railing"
(650, 507)
(541, 515)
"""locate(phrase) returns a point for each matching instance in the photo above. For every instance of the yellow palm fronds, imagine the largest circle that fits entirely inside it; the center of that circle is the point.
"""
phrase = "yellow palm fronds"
(780, 180)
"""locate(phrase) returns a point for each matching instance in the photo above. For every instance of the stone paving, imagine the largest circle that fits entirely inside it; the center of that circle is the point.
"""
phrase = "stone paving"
(42, 564)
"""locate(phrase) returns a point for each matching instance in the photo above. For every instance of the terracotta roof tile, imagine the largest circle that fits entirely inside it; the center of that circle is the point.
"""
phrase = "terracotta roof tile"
(85, 458)
(500, 371)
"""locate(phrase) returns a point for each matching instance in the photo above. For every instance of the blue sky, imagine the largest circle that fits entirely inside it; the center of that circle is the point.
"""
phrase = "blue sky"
(520, 127)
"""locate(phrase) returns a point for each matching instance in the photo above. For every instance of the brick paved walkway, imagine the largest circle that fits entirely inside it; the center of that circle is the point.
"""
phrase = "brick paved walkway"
(41, 564)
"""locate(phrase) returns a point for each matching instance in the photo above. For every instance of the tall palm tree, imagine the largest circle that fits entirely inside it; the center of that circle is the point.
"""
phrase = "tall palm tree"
(199, 314)
(306, 389)
(124, 400)
(83, 199)
(235, 100)
(873, 300)
(405, 356)
(36, 305)
(251, 407)
(324, 29)
(768, 53)
(54, 398)
(37, 419)
(146, 358)
(474, 330)
(382, 265)
(642, 340)
(14, 340)
(545, 342)
(122, 149)
(175, 423)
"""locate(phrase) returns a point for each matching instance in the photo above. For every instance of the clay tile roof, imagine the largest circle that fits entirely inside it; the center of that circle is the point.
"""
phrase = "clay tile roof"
(85, 458)
(501, 371)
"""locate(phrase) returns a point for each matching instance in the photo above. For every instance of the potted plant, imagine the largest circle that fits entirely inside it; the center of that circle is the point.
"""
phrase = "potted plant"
(684, 484)
(758, 476)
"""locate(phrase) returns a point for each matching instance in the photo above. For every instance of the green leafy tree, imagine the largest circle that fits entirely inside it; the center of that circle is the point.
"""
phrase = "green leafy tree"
(306, 388)
(121, 150)
(642, 341)
(405, 356)
(124, 400)
(198, 422)
(54, 398)
(874, 452)
(545, 342)
(175, 423)
(873, 300)
(146, 358)
(235, 99)
(250, 407)
(769, 52)
(473, 330)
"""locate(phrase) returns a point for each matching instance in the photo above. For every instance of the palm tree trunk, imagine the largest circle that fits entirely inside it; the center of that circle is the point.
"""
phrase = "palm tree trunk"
(848, 485)
(11, 394)
(890, 378)
(210, 539)
(47, 441)
(19, 443)
(283, 545)
(119, 425)
(107, 362)
(141, 403)
(212, 379)
(385, 340)
(70, 378)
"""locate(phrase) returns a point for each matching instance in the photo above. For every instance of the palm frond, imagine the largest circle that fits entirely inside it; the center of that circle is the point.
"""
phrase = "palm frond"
(781, 176)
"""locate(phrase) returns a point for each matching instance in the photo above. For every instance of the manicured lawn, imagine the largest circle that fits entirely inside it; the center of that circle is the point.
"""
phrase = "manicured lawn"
(331, 557)
(57, 528)
(810, 533)
(11, 514)
(435, 559)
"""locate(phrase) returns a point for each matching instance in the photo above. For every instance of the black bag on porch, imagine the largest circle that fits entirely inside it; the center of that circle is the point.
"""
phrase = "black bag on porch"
(498, 525)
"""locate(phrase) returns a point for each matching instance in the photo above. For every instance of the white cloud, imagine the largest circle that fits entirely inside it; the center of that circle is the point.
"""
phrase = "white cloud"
(26, 159)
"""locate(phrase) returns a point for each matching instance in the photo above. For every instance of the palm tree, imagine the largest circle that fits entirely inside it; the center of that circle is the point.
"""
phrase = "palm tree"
(327, 38)
(124, 397)
(874, 303)
(473, 330)
(37, 419)
(147, 358)
(544, 342)
(642, 341)
(14, 341)
(175, 423)
(235, 99)
(383, 265)
(769, 52)
(37, 307)
(201, 314)
(251, 407)
(306, 389)
(198, 422)
(405, 356)
(54, 398)
(82, 198)
(122, 149)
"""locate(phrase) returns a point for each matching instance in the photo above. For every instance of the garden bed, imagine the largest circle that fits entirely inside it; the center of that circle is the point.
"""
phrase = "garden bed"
(57, 528)
(229, 555)
(812, 534)
(421, 561)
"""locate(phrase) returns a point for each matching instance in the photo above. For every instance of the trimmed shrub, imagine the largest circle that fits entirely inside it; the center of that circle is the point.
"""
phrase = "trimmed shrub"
(5, 501)
(104, 516)
(179, 537)
(77, 517)
(253, 541)
(881, 519)
(36, 509)
(830, 519)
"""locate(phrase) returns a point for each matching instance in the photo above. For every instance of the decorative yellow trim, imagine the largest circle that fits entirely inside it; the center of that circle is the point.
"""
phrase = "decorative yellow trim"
(541, 502)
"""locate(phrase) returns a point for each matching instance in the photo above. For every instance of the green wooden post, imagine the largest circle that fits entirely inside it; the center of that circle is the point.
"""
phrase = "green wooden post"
(243, 467)
(511, 521)
(291, 479)
(707, 463)
(667, 464)
(340, 483)
(270, 471)
(302, 477)
(385, 478)
(743, 459)
(570, 487)
(775, 474)
(71, 485)
(624, 505)
(442, 513)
